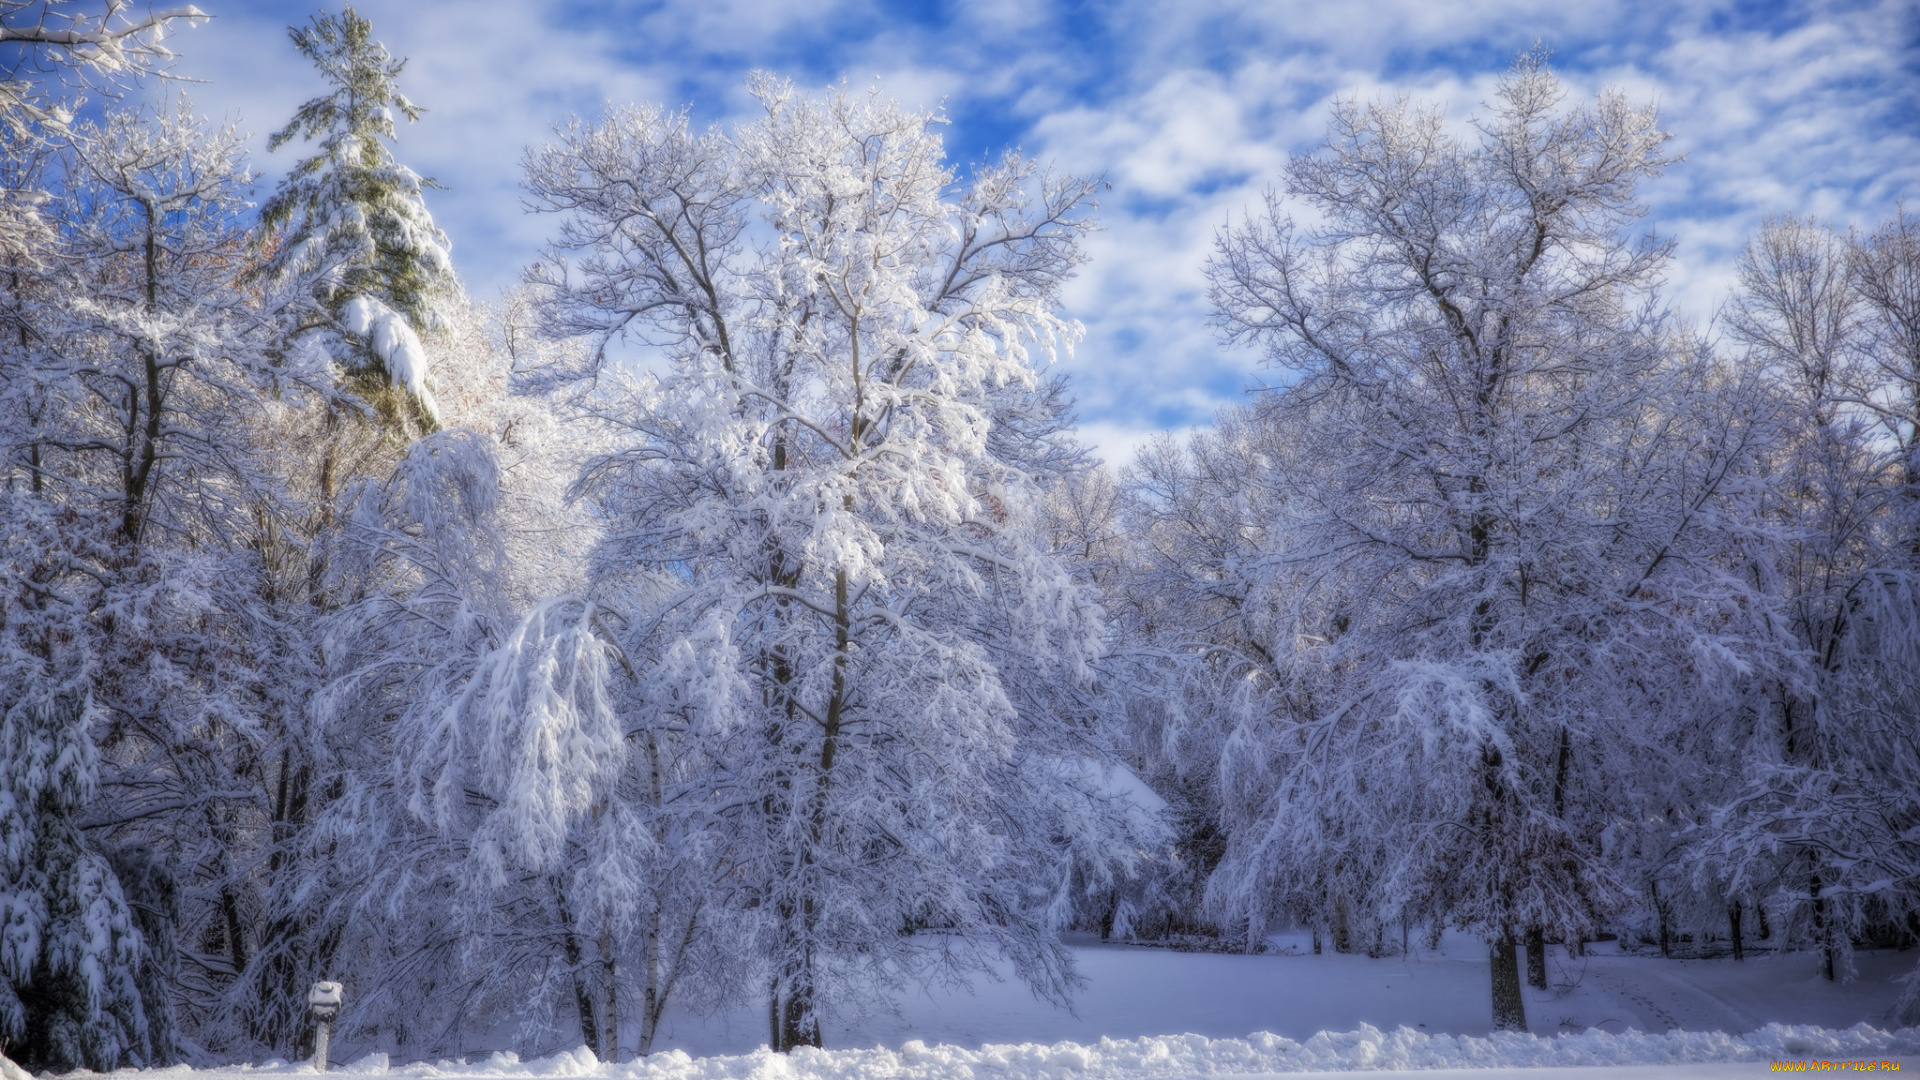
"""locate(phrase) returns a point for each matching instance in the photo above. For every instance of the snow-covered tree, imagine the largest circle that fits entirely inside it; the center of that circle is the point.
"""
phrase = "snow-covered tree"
(1817, 810)
(134, 357)
(1885, 275)
(350, 224)
(1489, 581)
(359, 293)
(1191, 659)
(91, 40)
(830, 503)
(71, 955)
(457, 767)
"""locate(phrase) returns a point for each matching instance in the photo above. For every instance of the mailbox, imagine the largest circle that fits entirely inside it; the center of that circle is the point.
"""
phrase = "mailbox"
(323, 1000)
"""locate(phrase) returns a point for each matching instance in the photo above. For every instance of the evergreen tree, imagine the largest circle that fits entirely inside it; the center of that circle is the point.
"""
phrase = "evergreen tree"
(350, 223)
(69, 952)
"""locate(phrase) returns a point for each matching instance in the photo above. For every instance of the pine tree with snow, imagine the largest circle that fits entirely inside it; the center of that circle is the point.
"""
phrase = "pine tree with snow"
(359, 275)
(70, 954)
(351, 225)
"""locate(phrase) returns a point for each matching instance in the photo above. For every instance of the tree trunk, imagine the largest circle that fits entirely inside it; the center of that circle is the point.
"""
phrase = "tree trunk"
(1342, 935)
(582, 993)
(1820, 928)
(1536, 958)
(1660, 912)
(798, 1023)
(795, 1023)
(610, 975)
(236, 930)
(652, 1001)
(660, 978)
(1509, 1010)
(1733, 928)
(650, 1004)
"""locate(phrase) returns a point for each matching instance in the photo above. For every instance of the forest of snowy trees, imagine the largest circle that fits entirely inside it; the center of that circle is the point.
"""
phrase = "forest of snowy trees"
(729, 613)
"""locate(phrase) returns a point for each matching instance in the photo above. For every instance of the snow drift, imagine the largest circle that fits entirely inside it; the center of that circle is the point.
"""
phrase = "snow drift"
(1171, 1056)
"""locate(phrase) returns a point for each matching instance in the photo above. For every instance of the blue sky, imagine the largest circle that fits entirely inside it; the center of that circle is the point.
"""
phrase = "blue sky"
(1189, 109)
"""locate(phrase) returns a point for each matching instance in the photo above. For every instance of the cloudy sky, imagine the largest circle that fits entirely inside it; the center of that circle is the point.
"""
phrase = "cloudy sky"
(1188, 108)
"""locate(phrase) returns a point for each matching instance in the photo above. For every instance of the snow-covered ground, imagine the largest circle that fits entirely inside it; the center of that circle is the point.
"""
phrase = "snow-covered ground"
(1133, 992)
(1608, 1016)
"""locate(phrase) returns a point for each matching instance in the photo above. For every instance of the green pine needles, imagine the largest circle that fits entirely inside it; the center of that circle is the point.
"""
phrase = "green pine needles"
(349, 224)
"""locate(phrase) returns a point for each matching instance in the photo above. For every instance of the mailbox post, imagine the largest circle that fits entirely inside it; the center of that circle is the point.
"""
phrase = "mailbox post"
(324, 1002)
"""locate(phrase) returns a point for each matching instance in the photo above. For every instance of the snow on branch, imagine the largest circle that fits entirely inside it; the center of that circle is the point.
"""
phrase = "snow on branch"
(396, 345)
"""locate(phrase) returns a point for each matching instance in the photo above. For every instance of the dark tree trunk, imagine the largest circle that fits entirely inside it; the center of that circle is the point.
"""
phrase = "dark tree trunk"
(794, 1020)
(1660, 912)
(610, 1015)
(1509, 1010)
(1820, 928)
(575, 957)
(1733, 929)
(1536, 958)
(798, 1022)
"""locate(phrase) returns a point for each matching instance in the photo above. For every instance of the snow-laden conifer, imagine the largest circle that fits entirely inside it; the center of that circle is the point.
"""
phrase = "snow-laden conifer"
(350, 224)
(70, 953)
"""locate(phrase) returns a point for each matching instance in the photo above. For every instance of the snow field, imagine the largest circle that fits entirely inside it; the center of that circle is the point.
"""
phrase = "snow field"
(1135, 993)
(1325, 1014)
(1175, 1057)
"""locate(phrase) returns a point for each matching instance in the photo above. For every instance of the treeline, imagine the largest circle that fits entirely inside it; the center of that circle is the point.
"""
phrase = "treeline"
(1526, 607)
(730, 614)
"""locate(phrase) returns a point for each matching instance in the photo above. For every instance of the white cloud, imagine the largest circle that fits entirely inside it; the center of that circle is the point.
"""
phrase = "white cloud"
(1771, 121)
(1190, 110)
(493, 80)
